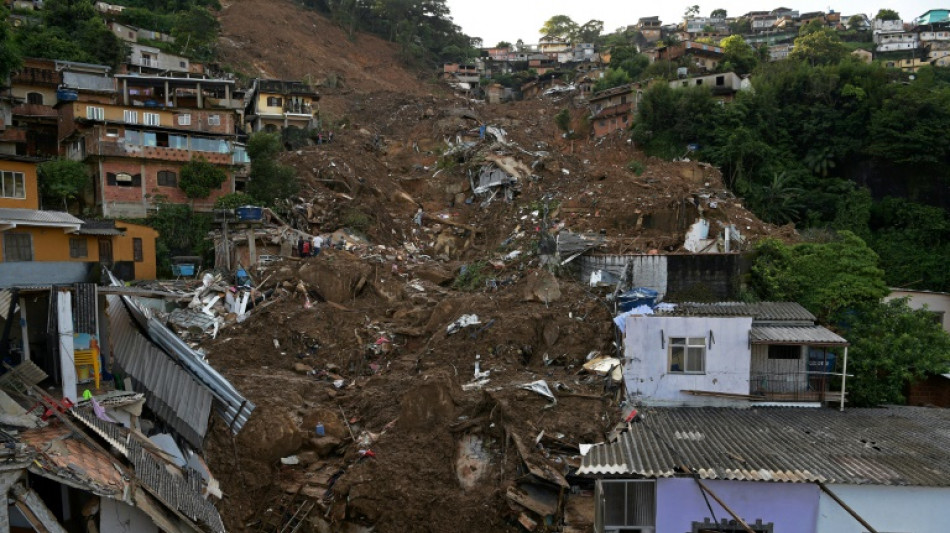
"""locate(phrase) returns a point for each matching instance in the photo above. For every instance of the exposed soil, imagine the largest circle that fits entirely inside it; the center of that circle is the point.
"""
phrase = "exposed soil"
(358, 340)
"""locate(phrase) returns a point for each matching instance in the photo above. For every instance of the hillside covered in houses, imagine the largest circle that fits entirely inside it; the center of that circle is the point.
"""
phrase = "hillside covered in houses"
(334, 265)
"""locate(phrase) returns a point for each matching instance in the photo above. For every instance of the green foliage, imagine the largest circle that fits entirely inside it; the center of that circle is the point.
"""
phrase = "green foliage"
(563, 120)
(146, 18)
(503, 44)
(892, 345)
(559, 26)
(741, 26)
(913, 241)
(670, 119)
(629, 60)
(718, 13)
(887, 14)
(855, 21)
(10, 59)
(738, 55)
(828, 279)
(199, 178)
(357, 220)
(71, 30)
(472, 277)
(62, 180)
(637, 167)
(181, 231)
(195, 31)
(612, 78)
(270, 180)
(820, 46)
(234, 200)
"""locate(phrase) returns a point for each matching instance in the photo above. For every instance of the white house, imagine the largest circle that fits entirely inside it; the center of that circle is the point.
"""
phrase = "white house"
(730, 353)
(780, 470)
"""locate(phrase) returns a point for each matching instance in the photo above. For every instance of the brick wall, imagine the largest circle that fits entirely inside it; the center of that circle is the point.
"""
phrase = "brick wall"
(934, 390)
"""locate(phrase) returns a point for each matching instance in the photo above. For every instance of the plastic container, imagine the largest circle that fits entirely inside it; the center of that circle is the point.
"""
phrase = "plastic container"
(636, 297)
(320, 429)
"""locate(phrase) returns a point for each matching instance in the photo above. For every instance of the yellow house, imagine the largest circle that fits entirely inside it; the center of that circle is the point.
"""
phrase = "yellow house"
(278, 104)
(51, 247)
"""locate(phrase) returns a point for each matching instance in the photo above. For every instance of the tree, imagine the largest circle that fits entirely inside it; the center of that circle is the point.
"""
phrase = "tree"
(628, 59)
(887, 14)
(589, 32)
(195, 31)
(829, 279)
(718, 13)
(503, 44)
(561, 26)
(563, 120)
(892, 345)
(269, 179)
(199, 177)
(822, 47)
(62, 180)
(738, 55)
(856, 22)
(9, 57)
(612, 78)
(691, 11)
(741, 26)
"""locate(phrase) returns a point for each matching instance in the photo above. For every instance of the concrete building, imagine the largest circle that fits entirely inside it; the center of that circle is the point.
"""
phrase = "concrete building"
(272, 105)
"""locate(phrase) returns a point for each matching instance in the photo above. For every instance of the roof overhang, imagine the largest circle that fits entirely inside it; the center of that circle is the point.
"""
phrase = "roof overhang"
(6, 225)
(795, 335)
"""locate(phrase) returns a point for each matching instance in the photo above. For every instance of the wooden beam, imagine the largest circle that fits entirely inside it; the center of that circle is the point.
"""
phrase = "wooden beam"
(845, 506)
(735, 516)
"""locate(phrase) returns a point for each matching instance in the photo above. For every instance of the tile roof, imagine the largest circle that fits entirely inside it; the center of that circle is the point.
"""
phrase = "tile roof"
(36, 217)
(762, 311)
(811, 335)
(888, 446)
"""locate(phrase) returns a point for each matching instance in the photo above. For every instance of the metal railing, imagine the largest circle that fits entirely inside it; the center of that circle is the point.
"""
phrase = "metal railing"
(793, 386)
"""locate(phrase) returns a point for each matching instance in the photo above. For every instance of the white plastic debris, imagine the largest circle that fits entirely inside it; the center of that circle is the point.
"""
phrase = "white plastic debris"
(290, 460)
(541, 387)
(463, 321)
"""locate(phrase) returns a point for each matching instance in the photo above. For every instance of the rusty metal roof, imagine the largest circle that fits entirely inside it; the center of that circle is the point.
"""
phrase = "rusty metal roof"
(810, 335)
(887, 446)
(759, 311)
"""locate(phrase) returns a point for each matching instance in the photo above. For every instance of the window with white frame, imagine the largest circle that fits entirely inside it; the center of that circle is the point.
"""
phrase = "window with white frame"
(95, 113)
(130, 117)
(12, 185)
(214, 120)
(152, 119)
(184, 119)
(687, 355)
(626, 505)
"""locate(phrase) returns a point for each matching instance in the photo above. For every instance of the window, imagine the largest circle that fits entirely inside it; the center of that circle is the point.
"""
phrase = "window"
(627, 505)
(779, 351)
(95, 113)
(184, 119)
(699, 82)
(273, 101)
(78, 247)
(13, 185)
(133, 137)
(688, 355)
(123, 179)
(720, 81)
(34, 98)
(17, 247)
(182, 64)
(214, 120)
(153, 119)
(112, 132)
(131, 117)
(137, 250)
(167, 178)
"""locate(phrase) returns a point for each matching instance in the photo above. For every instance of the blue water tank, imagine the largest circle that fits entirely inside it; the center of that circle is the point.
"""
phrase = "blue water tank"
(250, 213)
(67, 95)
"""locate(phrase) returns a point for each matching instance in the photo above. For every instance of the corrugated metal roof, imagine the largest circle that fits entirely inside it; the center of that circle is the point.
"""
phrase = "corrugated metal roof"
(763, 311)
(183, 493)
(233, 407)
(35, 216)
(170, 392)
(892, 446)
(5, 296)
(810, 335)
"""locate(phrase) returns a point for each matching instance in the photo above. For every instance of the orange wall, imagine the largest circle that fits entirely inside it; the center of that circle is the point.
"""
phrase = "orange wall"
(123, 251)
(52, 244)
(32, 200)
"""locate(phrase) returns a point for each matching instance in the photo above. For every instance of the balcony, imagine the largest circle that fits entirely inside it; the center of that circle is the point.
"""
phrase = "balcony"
(296, 108)
(793, 387)
(122, 149)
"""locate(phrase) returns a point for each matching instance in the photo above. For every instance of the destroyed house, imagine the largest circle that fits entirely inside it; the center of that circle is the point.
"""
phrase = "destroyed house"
(135, 149)
(723, 86)
(127, 451)
(786, 470)
(703, 56)
(273, 105)
(733, 354)
(613, 110)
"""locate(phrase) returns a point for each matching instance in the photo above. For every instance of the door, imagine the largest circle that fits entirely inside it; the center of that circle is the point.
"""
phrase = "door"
(105, 251)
